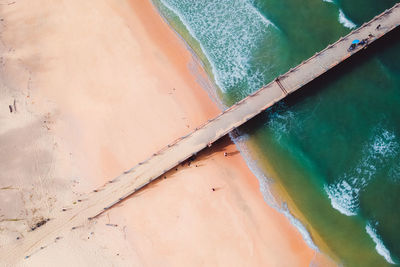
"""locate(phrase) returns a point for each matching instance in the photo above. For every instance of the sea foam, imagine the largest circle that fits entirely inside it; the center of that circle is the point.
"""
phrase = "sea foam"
(344, 197)
(265, 184)
(380, 247)
(376, 154)
(342, 17)
(228, 33)
(345, 21)
(300, 227)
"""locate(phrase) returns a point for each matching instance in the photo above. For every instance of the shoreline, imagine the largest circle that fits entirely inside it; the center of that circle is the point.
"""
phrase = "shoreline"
(280, 194)
(87, 118)
(276, 195)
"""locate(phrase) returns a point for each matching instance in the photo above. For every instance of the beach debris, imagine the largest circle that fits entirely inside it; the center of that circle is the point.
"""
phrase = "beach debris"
(95, 190)
(15, 105)
(8, 188)
(26, 257)
(39, 224)
(213, 189)
(64, 209)
(113, 225)
(225, 154)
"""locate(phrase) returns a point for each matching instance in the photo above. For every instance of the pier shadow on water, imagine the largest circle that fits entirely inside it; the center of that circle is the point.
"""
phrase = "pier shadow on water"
(347, 67)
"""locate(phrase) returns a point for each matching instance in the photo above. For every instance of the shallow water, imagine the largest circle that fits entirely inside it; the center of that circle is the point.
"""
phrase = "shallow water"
(335, 145)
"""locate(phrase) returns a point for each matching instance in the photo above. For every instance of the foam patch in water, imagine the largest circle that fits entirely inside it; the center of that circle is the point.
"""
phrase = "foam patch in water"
(344, 197)
(342, 17)
(380, 247)
(385, 145)
(377, 153)
(394, 174)
(228, 32)
(281, 120)
(345, 21)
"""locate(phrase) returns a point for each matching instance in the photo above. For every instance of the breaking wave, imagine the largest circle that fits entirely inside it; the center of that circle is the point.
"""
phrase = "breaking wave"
(344, 193)
(342, 17)
(345, 21)
(380, 247)
(344, 197)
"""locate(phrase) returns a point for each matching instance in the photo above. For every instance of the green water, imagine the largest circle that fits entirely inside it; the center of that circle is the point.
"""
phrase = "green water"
(334, 145)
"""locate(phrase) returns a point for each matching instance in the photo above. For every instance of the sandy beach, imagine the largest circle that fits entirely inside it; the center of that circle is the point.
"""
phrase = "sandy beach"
(90, 88)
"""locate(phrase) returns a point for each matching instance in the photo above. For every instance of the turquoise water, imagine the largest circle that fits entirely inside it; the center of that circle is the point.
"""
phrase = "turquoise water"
(334, 145)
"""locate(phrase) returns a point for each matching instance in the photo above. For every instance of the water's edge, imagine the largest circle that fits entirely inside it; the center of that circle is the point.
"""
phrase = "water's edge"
(272, 192)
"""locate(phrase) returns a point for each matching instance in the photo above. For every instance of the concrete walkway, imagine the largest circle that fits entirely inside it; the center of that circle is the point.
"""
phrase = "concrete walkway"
(144, 173)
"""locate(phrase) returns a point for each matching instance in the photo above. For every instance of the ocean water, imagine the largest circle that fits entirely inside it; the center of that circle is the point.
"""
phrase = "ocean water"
(334, 146)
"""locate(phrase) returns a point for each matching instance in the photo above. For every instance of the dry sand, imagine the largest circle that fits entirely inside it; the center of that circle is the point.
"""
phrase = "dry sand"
(99, 86)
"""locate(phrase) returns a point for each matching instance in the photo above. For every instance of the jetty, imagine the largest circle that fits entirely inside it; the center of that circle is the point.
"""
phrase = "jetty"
(100, 200)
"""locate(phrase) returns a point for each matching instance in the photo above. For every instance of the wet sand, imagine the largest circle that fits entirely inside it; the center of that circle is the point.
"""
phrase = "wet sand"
(100, 86)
